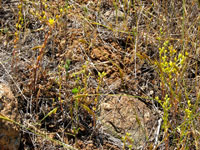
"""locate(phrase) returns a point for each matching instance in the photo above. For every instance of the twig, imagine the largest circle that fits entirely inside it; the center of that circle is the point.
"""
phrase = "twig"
(136, 41)
(157, 132)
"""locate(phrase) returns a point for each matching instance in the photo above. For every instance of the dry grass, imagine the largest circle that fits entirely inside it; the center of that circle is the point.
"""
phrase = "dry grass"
(65, 58)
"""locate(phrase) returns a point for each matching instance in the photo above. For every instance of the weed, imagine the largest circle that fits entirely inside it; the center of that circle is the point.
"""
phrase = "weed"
(127, 139)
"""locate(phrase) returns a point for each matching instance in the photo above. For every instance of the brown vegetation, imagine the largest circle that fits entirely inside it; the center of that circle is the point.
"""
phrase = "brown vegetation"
(108, 74)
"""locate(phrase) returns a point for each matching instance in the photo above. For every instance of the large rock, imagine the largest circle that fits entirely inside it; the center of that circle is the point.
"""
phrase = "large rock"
(9, 132)
(125, 114)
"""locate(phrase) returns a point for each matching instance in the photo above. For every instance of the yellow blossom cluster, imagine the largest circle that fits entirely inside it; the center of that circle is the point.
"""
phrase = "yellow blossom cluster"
(170, 61)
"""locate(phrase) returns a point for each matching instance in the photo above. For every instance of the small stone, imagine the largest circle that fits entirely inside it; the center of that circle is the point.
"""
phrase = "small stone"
(106, 106)
(9, 132)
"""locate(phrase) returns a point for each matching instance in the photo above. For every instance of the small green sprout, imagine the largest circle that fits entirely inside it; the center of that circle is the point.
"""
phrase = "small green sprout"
(75, 90)
(67, 65)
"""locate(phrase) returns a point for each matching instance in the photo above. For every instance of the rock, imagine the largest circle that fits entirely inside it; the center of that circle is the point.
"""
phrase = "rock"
(106, 106)
(9, 132)
(127, 114)
(112, 15)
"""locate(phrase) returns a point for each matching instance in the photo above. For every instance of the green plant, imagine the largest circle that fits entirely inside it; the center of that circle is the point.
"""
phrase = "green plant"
(19, 27)
(128, 141)
(80, 98)
(166, 108)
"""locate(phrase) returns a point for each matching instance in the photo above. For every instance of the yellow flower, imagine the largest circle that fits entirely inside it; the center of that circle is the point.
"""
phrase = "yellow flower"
(61, 10)
(19, 26)
(51, 21)
(57, 16)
